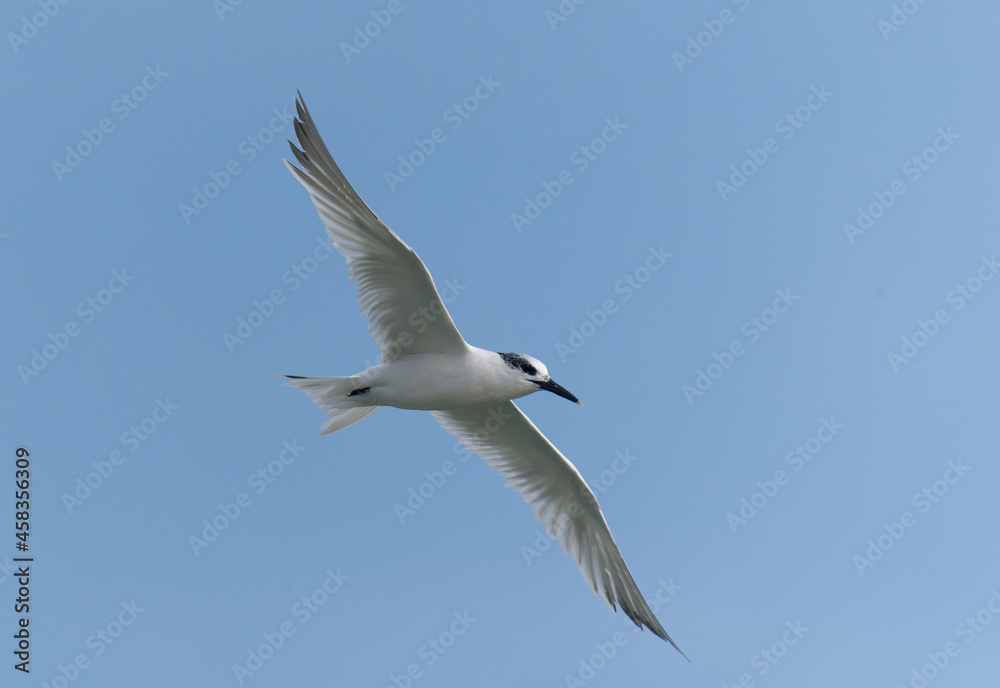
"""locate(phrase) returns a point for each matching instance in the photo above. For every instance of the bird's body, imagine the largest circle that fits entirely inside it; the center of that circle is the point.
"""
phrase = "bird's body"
(427, 365)
(440, 382)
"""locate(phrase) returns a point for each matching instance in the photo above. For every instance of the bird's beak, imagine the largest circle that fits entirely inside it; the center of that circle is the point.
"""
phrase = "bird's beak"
(556, 388)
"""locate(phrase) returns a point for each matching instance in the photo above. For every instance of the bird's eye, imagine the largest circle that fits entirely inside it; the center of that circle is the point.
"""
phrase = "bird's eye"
(528, 369)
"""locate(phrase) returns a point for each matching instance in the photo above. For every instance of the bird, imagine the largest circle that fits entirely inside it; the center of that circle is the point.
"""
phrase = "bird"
(427, 365)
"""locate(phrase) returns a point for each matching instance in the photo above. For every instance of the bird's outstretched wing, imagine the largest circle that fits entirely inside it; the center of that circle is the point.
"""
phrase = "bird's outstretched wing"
(559, 497)
(395, 289)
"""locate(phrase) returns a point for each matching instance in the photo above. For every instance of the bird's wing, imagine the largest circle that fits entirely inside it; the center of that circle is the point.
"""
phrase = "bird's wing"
(395, 289)
(559, 497)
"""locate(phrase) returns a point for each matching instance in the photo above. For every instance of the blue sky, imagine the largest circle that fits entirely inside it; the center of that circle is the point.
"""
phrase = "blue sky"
(758, 240)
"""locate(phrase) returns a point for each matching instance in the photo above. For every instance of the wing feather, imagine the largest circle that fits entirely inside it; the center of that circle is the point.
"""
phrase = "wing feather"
(559, 497)
(394, 285)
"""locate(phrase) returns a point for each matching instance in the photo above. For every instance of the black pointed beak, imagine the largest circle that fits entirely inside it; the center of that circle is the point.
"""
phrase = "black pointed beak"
(556, 388)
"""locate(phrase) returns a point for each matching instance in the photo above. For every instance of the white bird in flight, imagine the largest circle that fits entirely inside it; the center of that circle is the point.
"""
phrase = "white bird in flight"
(467, 389)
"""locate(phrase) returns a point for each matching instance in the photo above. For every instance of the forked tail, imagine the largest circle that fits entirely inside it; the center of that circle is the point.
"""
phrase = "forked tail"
(334, 396)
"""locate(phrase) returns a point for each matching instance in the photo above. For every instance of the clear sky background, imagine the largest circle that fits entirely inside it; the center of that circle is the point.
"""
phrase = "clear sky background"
(747, 137)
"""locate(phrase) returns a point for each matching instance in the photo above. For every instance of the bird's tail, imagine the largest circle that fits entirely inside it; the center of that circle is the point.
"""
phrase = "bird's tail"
(341, 398)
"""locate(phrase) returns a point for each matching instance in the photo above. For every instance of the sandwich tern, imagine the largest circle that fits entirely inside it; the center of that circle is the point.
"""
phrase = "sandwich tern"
(467, 389)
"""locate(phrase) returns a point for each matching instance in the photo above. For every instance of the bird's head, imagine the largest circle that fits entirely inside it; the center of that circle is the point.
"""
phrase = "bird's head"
(534, 375)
